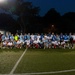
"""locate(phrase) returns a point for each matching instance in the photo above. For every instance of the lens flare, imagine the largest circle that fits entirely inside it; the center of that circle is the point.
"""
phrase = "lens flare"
(1, 1)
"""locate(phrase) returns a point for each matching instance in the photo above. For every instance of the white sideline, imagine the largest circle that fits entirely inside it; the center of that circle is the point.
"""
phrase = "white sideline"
(12, 71)
(52, 72)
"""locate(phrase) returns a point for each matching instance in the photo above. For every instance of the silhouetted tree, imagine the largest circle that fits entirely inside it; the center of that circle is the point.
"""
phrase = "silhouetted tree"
(8, 23)
(27, 17)
(25, 11)
(52, 17)
(68, 22)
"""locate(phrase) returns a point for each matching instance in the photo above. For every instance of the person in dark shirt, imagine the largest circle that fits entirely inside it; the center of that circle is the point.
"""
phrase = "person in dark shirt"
(0, 39)
(70, 41)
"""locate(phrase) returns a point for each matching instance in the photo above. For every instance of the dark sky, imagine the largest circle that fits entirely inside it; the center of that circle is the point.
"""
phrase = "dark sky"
(62, 6)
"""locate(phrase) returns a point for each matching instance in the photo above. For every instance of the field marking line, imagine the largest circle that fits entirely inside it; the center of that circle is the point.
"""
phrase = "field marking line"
(14, 68)
(52, 72)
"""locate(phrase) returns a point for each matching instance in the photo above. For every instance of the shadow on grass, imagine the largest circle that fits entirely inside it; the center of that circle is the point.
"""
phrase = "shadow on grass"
(34, 49)
(53, 50)
(14, 50)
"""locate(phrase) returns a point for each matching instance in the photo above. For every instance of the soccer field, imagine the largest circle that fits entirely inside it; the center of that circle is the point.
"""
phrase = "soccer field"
(37, 61)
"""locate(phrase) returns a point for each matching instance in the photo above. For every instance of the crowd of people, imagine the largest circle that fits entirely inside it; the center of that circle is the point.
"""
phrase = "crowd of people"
(37, 40)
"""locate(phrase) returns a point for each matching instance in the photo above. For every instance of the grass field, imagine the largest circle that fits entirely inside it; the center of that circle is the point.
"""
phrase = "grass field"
(38, 61)
(8, 58)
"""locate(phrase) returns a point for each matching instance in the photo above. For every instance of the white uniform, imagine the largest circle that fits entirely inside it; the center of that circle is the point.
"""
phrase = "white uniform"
(32, 37)
(18, 42)
(27, 42)
(10, 44)
(4, 43)
(35, 41)
(38, 37)
(73, 36)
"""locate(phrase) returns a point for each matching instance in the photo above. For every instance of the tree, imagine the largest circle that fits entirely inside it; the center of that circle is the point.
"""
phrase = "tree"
(68, 22)
(52, 17)
(25, 12)
(8, 23)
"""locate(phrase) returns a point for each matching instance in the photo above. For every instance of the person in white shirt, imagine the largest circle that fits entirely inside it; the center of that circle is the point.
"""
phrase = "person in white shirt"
(45, 41)
(73, 36)
(19, 45)
(7, 38)
(27, 43)
(10, 44)
(38, 37)
(36, 43)
(32, 37)
(4, 44)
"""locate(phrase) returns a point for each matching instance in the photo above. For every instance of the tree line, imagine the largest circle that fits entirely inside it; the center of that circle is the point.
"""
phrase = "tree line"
(24, 17)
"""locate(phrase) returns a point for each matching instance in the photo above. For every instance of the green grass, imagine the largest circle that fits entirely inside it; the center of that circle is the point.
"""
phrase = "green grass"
(8, 58)
(67, 73)
(38, 60)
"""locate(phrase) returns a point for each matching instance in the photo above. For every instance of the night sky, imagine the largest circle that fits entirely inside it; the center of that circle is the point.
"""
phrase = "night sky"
(62, 6)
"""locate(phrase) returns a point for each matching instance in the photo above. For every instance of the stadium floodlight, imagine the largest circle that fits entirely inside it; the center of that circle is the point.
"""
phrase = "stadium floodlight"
(3, 1)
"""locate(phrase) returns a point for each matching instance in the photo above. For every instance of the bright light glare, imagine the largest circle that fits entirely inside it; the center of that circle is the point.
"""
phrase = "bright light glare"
(3, 1)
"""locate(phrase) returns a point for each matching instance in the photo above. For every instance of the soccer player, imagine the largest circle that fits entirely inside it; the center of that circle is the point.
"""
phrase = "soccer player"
(32, 36)
(70, 41)
(41, 36)
(4, 44)
(16, 37)
(19, 45)
(53, 40)
(28, 36)
(45, 41)
(7, 38)
(3, 37)
(38, 37)
(49, 43)
(12, 37)
(21, 37)
(73, 36)
(62, 42)
(58, 41)
(36, 43)
(0, 39)
(66, 40)
(27, 43)
(10, 44)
